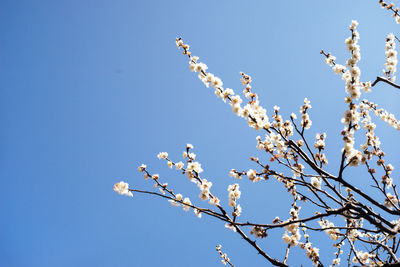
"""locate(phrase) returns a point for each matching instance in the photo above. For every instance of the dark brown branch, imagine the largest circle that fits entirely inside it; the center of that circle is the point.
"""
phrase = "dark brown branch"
(260, 251)
(207, 211)
(381, 79)
(317, 216)
(387, 248)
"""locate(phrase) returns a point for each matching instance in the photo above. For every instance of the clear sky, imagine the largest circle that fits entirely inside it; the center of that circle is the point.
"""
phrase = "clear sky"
(89, 90)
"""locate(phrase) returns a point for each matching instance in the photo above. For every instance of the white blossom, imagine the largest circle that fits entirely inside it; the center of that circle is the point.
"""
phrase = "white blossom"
(197, 212)
(194, 166)
(391, 57)
(142, 167)
(186, 200)
(122, 188)
(162, 155)
(179, 165)
(316, 182)
(189, 146)
(178, 198)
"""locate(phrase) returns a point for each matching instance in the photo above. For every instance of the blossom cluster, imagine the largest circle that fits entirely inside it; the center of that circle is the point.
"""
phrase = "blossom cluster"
(316, 182)
(333, 232)
(311, 252)
(273, 143)
(224, 257)
(396, 14)
(176, 199)
(372, 141)
(292, 234)
(253, 176)
(255, 115)
(179, 199)
(285, 128)
(364, 258)
(383, 114)
(292, 239)
(391, 58)
(351, 75)
(122, 188)
(233, 195)
(391, 201)
(320, 145)
(305, 118)
(330, 60)
(192, 170)
(319, 188)
(258, 232)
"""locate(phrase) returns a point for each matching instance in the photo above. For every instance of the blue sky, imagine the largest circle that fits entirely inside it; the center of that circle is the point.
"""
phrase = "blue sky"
(89, 90)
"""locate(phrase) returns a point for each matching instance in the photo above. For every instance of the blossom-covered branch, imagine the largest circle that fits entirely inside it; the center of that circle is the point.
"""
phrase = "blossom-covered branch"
(341, 208)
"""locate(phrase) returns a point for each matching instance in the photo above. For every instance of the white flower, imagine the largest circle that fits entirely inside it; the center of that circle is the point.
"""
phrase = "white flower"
(189, 146)
(305, 121)
(230, 226)
(355, 72)
(367, 87)
(389, 167)
(389, 200)
(338, 69)
(214, 201)
(122, 188)
(204, 195)
(200, 67)
(238, 211)
(346, 75)
(192, 66)
(251, 174)
(192, 155)
(216, 82)
(197, 212)
(237, 109)
(227, 93)
(175, 203)
(190, 176)
(205, 185)
(142, 167)
(194, 166)
(363, 256)
(330, 60)
(179, 165)
(209, 77)
(233, 173)
(236, 100)
(353, 25)
(333, 232)
(179, 42)
(391, 57)
(162, 155)
(286, 238)
(234, 193)
(292, 228)
(170, 164)
(258, 231)
(186, 200)
(298, 169)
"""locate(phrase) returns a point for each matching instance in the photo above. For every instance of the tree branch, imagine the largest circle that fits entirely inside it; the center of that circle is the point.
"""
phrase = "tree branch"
(381, 79)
